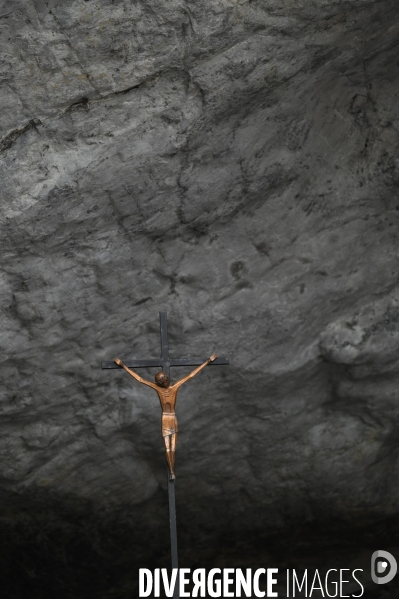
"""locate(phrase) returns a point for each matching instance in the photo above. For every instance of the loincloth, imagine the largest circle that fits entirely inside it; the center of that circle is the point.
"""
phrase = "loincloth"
(169, 424)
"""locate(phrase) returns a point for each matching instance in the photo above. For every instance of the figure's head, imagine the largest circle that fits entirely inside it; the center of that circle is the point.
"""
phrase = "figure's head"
(162, 379)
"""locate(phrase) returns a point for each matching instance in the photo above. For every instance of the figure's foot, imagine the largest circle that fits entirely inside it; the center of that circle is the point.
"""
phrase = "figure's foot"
(172, 476)
(118, 361)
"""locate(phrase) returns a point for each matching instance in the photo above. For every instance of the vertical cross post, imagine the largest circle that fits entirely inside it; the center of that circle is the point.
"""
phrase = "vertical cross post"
(163, 324)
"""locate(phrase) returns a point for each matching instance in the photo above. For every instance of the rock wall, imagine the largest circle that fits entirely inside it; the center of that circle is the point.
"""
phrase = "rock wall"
(236, 164)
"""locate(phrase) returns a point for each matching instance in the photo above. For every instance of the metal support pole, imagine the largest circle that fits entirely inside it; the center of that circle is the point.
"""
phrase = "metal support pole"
(173, 530)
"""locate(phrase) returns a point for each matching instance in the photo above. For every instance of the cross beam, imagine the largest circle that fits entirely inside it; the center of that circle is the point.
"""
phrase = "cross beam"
(165, 362)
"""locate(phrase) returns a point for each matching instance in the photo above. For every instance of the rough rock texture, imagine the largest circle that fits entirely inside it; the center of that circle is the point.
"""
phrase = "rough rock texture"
(234, 162)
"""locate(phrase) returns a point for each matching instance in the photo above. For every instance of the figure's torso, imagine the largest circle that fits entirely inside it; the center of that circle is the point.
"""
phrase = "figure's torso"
(167, 399)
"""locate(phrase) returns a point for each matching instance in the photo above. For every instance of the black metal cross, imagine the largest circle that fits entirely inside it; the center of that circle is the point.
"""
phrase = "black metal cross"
(166, 363)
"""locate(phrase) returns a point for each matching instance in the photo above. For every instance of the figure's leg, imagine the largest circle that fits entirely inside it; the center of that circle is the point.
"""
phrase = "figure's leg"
(169, 454)
(173, 439)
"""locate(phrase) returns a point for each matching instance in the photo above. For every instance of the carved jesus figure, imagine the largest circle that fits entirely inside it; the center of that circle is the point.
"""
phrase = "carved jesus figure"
(167, 394)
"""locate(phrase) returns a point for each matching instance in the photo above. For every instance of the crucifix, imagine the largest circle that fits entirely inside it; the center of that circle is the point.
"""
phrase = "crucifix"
(167, 395)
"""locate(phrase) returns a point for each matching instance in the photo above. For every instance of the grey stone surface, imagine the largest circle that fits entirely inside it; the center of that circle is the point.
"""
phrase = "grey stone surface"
(236, 164)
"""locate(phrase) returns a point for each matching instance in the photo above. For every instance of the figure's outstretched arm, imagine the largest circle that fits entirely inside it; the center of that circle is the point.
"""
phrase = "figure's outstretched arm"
(134, 375)
(194, 372)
